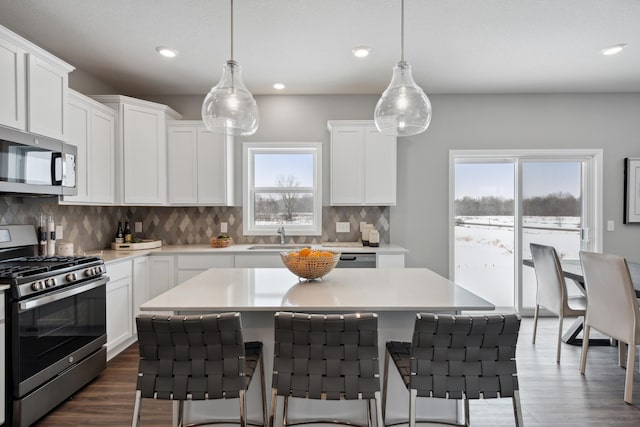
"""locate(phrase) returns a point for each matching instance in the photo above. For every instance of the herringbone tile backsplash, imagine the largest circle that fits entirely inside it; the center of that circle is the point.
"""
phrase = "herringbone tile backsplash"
(92, 228)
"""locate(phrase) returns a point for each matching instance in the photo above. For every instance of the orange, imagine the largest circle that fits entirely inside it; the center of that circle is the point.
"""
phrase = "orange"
(305, 252)
(326, 254)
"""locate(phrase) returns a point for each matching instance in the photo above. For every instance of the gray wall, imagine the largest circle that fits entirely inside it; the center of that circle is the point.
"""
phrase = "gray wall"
(419, 221)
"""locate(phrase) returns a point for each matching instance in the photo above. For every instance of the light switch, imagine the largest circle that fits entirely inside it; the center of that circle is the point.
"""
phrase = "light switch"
(138, 227)
(342, 227)
(223, 227)
(59, 235)
(610, 225)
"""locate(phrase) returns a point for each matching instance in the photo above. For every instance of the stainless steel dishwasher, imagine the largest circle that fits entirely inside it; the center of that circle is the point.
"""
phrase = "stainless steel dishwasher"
(357, 260)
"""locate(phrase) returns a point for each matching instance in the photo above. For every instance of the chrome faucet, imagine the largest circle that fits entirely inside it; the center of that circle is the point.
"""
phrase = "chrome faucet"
(282, 234)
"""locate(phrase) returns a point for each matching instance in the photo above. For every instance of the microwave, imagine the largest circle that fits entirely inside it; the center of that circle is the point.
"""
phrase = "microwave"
(34, 164)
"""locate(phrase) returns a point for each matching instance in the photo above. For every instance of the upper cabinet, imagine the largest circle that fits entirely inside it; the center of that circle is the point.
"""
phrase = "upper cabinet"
(363, 164)
(141, 149)
(33, 87)
(92, 129)
(200, 165)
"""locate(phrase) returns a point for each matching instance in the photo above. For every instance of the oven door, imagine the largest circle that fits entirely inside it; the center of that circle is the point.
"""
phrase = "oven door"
(54, 331)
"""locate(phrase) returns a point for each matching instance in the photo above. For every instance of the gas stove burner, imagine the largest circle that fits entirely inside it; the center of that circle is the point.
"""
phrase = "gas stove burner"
(13, 272)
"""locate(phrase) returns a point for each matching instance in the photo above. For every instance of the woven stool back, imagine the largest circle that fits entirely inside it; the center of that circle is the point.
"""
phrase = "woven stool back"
(329, 357)
(192, 357)
(470, 355)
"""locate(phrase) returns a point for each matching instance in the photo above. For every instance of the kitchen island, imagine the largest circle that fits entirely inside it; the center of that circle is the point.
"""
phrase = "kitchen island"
(395, 294)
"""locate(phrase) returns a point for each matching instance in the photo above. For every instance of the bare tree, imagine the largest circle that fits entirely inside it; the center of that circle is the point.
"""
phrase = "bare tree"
(289, 199)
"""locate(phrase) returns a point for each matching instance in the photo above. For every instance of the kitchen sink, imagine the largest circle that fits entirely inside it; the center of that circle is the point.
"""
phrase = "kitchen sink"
(276, 247)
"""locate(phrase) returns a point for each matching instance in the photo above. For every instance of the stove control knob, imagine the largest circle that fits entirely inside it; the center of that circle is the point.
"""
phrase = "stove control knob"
(50, 283)
(71, 277)
(88, 272)
(36, 286)
(99, 270)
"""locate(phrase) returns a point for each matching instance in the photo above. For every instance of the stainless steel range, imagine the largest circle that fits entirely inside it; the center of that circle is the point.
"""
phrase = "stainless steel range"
(56, 324)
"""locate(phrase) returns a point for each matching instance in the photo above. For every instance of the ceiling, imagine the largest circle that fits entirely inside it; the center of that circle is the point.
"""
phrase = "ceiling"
(454, 46)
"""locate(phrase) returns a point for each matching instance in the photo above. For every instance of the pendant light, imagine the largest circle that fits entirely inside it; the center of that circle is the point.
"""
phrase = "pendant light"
(403, 109)
(229, 108)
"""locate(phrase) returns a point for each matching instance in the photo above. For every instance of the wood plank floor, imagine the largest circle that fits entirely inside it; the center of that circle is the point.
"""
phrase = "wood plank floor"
(551, 394)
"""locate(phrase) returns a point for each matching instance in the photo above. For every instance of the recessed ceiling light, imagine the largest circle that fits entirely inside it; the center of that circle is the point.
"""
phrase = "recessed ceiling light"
(278, 86)
(361, 51)
(167, 52)
(612, 50)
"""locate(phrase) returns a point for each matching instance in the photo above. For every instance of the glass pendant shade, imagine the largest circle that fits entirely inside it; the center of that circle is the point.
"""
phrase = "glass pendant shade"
(403, 108)
(229, 108)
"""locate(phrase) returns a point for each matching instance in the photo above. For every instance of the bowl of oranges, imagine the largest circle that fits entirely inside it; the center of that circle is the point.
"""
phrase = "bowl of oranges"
(309, 263)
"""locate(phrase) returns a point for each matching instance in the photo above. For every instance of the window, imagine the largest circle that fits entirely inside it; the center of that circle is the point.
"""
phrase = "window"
(502, 200)
(282, 187)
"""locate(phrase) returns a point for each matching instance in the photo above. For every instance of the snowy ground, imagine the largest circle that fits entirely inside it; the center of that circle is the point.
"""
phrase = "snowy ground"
(484, 253)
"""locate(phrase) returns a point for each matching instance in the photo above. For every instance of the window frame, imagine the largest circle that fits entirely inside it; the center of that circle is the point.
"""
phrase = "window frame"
(249, 150)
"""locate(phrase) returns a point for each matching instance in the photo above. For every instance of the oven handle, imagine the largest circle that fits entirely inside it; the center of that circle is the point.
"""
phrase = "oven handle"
(47, 299)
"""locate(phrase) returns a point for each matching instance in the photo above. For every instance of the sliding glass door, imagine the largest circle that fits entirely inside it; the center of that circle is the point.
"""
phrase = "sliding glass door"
(503, 201)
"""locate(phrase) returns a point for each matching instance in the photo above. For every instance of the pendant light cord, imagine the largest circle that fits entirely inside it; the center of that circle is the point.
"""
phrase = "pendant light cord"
(401, 30)
(232, 29)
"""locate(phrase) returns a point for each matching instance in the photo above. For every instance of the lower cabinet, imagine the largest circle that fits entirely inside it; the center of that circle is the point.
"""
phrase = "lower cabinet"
(389, 260)
(119, 307)
(263, 260)
(161, 274)
(2, 358)
(192, 265)
(140, 285)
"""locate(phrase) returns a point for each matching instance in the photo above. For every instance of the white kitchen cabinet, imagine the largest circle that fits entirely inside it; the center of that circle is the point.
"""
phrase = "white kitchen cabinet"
(33, 87)
(259, 260)
(92, 129)
(200, 165)
(389, 260)
(194, 264)
(119, 307)
(141, 149)
(363, 164)
(2, 358)
(140, 285)
(161, 274)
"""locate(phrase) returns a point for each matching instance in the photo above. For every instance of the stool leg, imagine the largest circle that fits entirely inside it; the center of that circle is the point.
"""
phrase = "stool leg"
(412, 407)
(467, 414)
(272, 410)
(136, 409)
(379, 417)
(517, 408)
(243, 409)
(285, 408)
(385, 383)
(263, 392)
(369, 417)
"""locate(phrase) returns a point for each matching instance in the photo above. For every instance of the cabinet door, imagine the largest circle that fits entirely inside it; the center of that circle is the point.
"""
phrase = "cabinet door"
(380, 168)
(79, 134)
(140, 286)
(144, 149)
(119, 313)
(182, 147)
(47, 88)
(101, 162)
(213, 168)
(347, 173)
(270, 260)
(12, 85)
(161, 274)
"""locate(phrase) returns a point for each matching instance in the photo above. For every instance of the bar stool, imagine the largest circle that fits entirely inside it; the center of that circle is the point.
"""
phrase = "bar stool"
(197, 357)
(457, 357)
(327, 357)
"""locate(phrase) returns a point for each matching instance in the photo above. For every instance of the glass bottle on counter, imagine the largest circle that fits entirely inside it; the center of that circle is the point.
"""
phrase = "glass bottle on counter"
(119, 233)
(127, 232)
(42, 235)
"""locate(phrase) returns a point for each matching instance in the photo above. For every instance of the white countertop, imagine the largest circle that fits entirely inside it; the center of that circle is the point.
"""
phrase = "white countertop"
(4, 288)
(270, 289)
(112, 255)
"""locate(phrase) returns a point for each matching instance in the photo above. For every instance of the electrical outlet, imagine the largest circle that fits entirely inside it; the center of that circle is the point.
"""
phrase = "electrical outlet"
(138, 227)
(342, 227)
(59, 234)
(223, 227)
(611, 225)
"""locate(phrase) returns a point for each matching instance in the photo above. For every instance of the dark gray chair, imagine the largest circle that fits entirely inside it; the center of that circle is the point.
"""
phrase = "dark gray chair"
(551, 290)
(457, 357)
(197, 357)
(328, 357)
